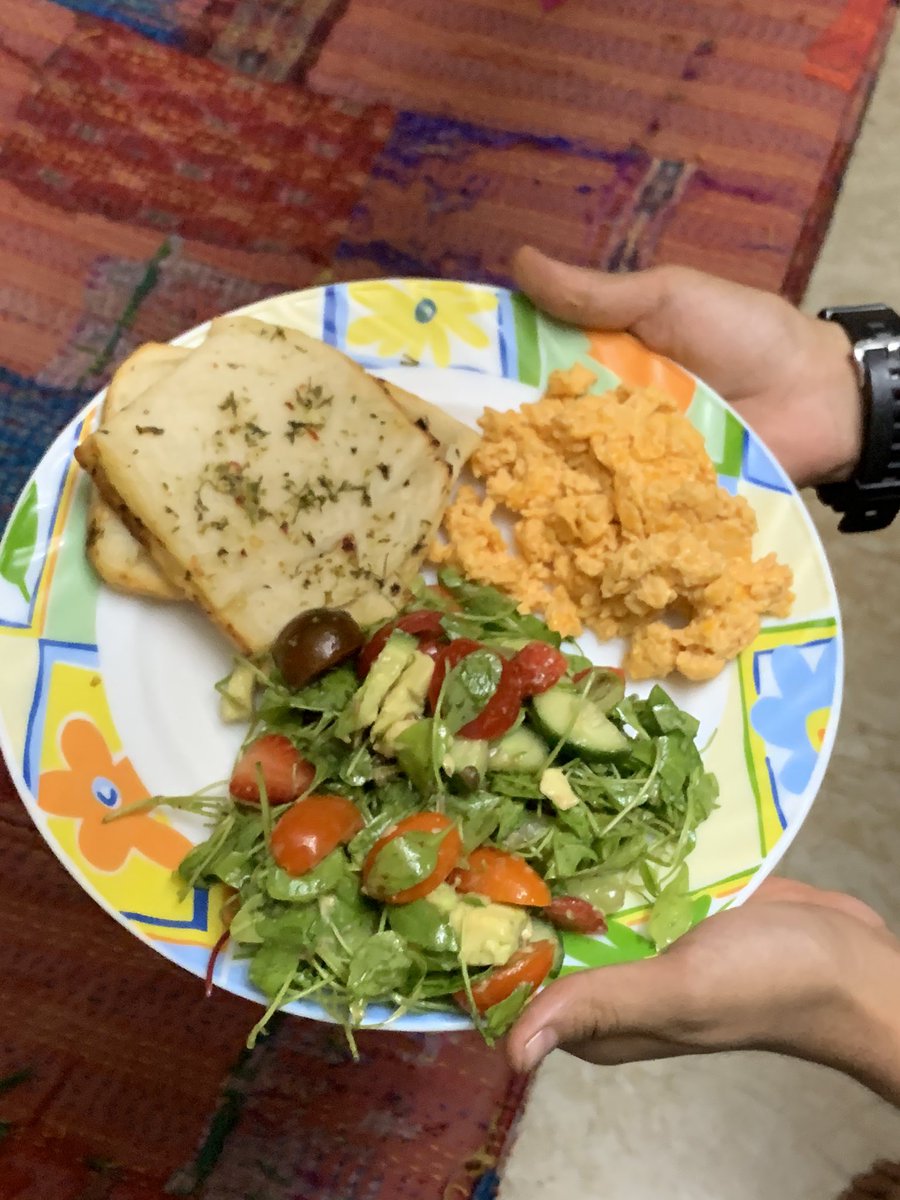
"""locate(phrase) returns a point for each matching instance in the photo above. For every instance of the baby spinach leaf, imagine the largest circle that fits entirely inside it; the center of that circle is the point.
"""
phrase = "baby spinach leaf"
(295, 925)
(668, 717)
(567, 853)
(246, 922)
(501, 1017)
(271, 965)
(330, 694)
(478, 815)
(424, 925)
(405, 861)
(380, 967)
(302, 888)
(416, 749)
(468, 687)
(672, 912)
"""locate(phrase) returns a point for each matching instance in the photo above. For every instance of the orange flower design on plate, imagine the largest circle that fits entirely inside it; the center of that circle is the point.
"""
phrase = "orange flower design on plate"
(94, 784)
(637, 366)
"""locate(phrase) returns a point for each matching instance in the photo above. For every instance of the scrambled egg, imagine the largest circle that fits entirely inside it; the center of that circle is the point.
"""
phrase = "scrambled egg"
(619, 525)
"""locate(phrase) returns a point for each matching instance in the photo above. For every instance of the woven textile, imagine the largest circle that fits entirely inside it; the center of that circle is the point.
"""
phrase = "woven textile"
(165, 160)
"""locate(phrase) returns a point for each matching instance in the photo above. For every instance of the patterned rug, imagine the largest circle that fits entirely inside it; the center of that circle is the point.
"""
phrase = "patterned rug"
(165, 160)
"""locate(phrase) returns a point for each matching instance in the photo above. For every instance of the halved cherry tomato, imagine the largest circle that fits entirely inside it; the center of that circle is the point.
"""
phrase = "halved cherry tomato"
(575, 915)
(311, 829)
(424, 620)
(447, 659)
(538, 667)
(501, 711)
(531, 965)
(285, 773)
(448, 853)
(584, 674)
(502, 877)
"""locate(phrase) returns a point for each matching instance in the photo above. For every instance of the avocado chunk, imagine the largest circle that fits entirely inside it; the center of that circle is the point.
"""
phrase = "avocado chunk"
(557, 789)
(488, 934)
(387, 668)
(236, 693)
(405, 701)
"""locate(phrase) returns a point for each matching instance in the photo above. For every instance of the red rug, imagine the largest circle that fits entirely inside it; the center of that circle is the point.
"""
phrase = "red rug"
(164, 160)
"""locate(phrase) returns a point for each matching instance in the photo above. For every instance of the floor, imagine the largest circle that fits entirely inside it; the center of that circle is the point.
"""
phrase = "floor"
(737, 1127)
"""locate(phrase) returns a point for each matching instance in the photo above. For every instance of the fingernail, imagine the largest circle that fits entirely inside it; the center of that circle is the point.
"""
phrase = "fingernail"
(538, 1047)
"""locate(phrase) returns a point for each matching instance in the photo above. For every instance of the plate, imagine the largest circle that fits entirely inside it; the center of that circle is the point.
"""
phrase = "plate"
(105, 699)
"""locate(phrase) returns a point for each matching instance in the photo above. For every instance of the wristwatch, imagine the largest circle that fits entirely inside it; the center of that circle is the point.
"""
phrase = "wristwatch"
(870, 498)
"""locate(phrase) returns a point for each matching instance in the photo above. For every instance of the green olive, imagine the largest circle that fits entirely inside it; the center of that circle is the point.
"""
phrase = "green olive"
(314, 642)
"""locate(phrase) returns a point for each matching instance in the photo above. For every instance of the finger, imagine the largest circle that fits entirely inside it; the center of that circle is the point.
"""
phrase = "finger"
(593, 299)
(793, 891)
(610, 1002)
(614, 1051)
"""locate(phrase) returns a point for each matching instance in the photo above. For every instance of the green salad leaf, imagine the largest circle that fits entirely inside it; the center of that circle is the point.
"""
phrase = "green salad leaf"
(405, 861)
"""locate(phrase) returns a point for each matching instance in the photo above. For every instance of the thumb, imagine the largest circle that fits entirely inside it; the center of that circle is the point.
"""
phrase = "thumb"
(603, 1004)
(592, 299)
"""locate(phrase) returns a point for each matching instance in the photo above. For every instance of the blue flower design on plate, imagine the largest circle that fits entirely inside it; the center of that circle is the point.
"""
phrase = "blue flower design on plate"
(794, 718)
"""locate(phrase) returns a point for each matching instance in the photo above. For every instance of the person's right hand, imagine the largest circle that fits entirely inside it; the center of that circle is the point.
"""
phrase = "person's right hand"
(790, 375)
(798, 970)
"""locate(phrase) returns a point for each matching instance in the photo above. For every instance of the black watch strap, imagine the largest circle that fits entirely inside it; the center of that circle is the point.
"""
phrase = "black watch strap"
(870, 499)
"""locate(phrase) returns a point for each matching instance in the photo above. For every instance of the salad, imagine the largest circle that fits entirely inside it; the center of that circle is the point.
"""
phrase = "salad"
(421, 811)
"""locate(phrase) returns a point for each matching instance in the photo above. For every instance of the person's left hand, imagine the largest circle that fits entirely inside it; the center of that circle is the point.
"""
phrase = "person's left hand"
(805, 972)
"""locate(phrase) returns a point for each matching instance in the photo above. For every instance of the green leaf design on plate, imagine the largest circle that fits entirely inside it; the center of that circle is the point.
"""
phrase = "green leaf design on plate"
(17, 549)
(623, 945)
(527, 339)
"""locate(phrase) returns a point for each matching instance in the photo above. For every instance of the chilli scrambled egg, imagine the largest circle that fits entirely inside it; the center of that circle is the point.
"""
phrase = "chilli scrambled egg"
(619, 524)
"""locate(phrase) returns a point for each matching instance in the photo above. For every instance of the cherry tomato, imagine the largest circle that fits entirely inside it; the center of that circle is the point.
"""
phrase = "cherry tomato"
(531, 965)
(502, 877)
(424, 620)
(311, 829)
(446, 660)
(448, 852)
(575, 915)
(538, 667)
(500, 712)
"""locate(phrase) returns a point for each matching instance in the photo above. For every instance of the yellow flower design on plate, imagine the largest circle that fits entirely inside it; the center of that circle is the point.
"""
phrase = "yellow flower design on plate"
(416, 318)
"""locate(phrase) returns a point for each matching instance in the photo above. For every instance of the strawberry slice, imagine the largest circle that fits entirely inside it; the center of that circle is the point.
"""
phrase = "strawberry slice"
(285, 773)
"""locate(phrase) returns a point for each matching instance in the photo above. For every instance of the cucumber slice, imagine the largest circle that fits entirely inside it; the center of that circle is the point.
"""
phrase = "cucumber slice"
(542, 931)
(562, 713)
(518, 750)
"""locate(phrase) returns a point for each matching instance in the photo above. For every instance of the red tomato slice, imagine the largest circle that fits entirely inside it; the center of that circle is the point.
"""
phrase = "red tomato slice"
(531, 965)
(446, 660)
(538, 667)
(311, 829)
(502, 877)
(285, 773)
(500, 712)
(448, 852)
(575, 915)
(424, 620)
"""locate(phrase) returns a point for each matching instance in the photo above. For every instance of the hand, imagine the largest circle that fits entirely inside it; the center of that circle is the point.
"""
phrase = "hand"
(804, 972)
(790, 375)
